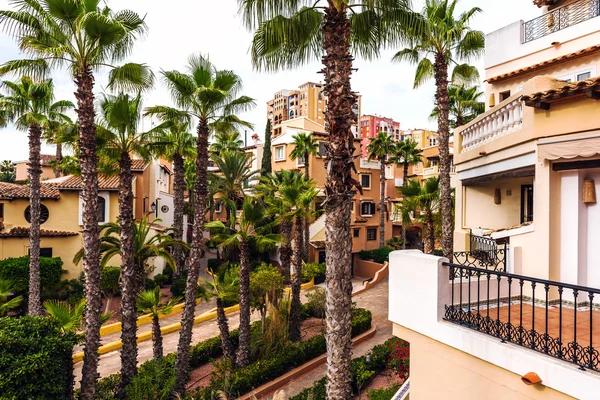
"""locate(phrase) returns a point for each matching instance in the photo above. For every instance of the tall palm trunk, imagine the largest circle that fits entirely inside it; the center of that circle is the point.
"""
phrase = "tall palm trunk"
(430, 232)
(286, 247)
(243, 354)
(129, 276)
(88, 159)
(404, 184)
(34, 306)
(178, 204)
(182, 363)
(443, 102)
(59, 157)
(306, 241)
(295, 319)
(226, 344)
(339, 119)
(382, 203)
(157, 342)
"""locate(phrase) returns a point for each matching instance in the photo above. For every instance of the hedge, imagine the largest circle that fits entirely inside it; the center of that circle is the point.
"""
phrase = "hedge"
(16, 270)
(365, 255)
(35, 361)
(382, 255)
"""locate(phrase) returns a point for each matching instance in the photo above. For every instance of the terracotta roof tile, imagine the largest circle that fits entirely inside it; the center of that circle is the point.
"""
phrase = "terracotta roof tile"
(47, 158)
(541, 3)
(23, 231)
(138, 165)
(10, 191)
(545, 64)
(569, 89)
(104, 183)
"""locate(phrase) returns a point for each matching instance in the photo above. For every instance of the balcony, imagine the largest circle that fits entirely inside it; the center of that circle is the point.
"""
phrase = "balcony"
(560, 18)
(430, 172)
(502, 120)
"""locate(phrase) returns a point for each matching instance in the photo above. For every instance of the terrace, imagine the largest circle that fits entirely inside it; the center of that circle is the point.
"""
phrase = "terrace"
(560, 18)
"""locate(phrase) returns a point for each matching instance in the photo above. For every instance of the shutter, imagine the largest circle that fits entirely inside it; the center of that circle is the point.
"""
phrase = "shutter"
(372, 208)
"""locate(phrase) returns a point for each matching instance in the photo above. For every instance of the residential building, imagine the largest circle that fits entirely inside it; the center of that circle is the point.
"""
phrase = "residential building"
(307, 101)
(523, 293)
(423, 137)
(365, 209)
(371, 125)
(62, 208)
(22, 173)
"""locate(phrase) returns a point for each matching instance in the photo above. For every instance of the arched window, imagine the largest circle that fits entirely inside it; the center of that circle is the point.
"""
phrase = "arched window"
(44, 214)
(101, 209)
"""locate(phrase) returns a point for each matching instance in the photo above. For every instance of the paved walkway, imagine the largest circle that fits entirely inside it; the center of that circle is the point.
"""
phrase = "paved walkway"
(376, 300)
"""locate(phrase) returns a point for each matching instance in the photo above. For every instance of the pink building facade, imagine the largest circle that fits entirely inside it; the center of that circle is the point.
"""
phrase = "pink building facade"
(370, 125)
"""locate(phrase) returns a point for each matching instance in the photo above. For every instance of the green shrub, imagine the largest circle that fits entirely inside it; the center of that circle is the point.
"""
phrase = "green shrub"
(109, 280)
(72, 290)
(383, 394)
(361, 321)
(318, 391)
(16, 270)
(312, 270)
(168, 271)
(362, 373)
(178, 286)
(149, 284)
(382, 255)
(35, 361)
(316, 303)
(161, 279)
(213, 265)
(438, 253)
(395, 242)
(365, 255)
(155, 380)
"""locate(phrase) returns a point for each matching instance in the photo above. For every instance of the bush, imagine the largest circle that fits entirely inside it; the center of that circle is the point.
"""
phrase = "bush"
(72, 290)
(361, 321)
(316, 303)
(178, 286)
(16, 270)
(161, 279)
(318, 391)
(438, 253)
(365, 255)
(155, 380)
(362, 373)
(382, 255)
(35, 361)
(168, 271)
(395, 242)
(109, 280)
(213, 265)
(150, 284)
(312, 270)
(383, 394)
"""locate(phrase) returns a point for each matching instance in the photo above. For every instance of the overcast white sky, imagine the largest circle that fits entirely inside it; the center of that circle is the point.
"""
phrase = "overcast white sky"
(181, 27)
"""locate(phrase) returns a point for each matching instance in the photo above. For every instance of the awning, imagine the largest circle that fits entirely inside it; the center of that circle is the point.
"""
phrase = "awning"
(570, 148)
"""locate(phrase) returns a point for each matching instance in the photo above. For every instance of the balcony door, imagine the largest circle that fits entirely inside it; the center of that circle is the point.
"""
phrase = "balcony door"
(526, 203)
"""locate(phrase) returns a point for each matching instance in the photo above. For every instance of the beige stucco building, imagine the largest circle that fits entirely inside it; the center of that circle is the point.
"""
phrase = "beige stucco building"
(523, 293)
(46, 160)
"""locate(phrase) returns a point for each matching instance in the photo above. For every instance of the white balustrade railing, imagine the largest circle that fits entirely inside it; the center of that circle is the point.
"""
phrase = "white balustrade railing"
(496, 123)
(369, 164)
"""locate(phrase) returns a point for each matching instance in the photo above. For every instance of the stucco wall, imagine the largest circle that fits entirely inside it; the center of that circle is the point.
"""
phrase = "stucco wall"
(364, 268)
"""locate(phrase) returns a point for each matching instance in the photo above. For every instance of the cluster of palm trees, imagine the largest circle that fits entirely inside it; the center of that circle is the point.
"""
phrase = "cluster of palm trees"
(85, 36)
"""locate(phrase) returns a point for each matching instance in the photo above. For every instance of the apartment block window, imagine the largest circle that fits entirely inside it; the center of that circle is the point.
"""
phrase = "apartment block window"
(300, 161)
(504, 95)
(279, 153)
(101, 209)
(365, 181)
(356, 233)
(322, 149)
(1, 212)
(584, 76)
(367, 208)
(526, 203)
(371, 234)
(44, 252)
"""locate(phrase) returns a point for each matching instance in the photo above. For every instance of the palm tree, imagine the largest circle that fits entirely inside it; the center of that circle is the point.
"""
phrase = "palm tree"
(448, 40)
(173, 142)
(287, 34)
(305, 145)
(29, 103)
(6, 290)
(83, 36)
(224, 286)
(464, 105)
(250, 226)
(8, 171)
(380, 148)
(150, 301)
(54, 130)
(5, 116)
(119, 117)
(210, 95)
(266, 159)
(425, 199)
(226, 141)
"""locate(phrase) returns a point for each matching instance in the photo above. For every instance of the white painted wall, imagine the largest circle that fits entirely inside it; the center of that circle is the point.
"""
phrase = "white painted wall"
(593, 233)
(166, 217)
(414, 275)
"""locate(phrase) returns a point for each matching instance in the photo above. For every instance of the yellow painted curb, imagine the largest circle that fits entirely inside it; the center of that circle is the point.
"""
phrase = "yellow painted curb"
(142, 337)
(304, 286)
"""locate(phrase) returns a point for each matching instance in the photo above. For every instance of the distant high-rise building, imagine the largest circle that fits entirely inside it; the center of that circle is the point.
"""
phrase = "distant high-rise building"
(371, 125)
(307, 101)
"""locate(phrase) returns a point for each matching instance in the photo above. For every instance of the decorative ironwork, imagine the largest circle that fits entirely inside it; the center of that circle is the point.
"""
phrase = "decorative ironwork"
(560, 18)
(494, 260)
(505, 306)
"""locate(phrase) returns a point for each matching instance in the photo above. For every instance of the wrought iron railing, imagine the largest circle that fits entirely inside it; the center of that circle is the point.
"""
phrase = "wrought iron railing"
(552, 318)
(494, 260)
(560, 18)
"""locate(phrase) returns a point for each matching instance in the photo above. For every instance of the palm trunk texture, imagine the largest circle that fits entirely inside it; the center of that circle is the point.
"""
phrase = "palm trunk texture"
(34, 306)
(129, 276)
(430, 233)
(286, 247)
(88, 159)
(339, 192)
(404, 184)
(306, 241)
(59, 157)
(182, 362)
(382, 204)
(157, 342)
(226, 344)
(178, 204)
(295, 318)
(243, 354)
(443, 101)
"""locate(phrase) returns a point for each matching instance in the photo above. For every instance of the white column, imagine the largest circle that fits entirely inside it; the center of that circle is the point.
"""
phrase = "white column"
(570, 228)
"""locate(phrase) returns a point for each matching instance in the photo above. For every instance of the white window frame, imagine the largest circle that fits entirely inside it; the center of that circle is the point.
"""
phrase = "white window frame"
(106, 197)
(277, 148)
(300, 161)
(219, 207)
(571, 76)
(370, 181)
(361, 208)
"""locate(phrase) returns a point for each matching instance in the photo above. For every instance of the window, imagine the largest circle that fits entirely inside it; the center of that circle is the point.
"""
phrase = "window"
(101, 209)
(365, 181)
(322, 257)
(584, 76)
(44, 252)
(356, 233)
(1, 212)
(44, 214)
(526, 203)
(580, 75)
(219, 207)
(367, 208)
(371, 234)
(280, 153)
(322, 149)
(300, 161)
(504, 95)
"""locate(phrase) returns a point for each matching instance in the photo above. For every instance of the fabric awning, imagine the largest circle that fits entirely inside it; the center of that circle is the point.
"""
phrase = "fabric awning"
(570, 148)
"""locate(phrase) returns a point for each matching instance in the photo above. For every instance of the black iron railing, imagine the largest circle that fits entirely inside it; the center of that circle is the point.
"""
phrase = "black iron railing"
(560, 18)
(552, 318)
(494, 260)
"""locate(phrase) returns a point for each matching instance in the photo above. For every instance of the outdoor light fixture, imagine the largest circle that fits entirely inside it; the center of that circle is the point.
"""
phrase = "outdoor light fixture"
(589, 191)
(497, 196)
(153, 207)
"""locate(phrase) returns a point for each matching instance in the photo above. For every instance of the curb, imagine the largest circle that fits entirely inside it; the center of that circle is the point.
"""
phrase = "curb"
(284, 379)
